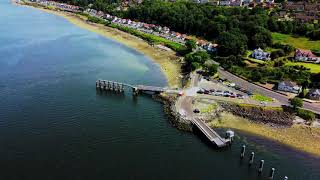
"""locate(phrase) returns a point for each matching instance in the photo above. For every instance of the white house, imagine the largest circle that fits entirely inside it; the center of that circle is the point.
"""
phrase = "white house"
(260, 54)
(224, 3)
(314, 94)
(289, 86)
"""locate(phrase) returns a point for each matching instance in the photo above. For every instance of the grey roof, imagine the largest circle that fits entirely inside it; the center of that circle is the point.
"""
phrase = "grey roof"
(315, 92)
(288, 83)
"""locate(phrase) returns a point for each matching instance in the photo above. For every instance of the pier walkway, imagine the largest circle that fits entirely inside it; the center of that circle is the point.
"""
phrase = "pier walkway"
(213, 136)
(117, 86)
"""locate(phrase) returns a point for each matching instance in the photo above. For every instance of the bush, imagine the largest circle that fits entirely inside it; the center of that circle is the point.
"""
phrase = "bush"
(152, 38)
(98, 20)
(296, 102)
(306, 115)
(287, 49)
(277, 53)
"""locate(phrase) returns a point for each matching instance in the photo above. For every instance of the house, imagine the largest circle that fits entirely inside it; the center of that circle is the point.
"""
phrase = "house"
(224, 3)
(289, 86)
(305, 55)
(260, 54)
(314, 94)
(236, 3)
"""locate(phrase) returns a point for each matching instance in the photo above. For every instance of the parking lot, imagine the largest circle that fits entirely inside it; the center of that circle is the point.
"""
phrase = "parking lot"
(227, 91)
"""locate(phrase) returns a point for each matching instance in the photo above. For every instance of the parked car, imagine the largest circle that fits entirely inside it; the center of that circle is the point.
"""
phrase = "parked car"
(226, 93)
(200, 91)
(249, 93)
(237, 87)
(239, 96)
(219, 93)
(196, 111)
(206, 78)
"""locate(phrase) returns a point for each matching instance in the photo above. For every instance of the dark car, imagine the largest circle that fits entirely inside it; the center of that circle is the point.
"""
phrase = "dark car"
(200, 92)
(249, 93)
(196, 111)
(206, 78)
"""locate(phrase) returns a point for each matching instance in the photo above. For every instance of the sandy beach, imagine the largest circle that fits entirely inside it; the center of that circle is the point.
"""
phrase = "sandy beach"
(305, 139)
(301, 138)
(167, 60)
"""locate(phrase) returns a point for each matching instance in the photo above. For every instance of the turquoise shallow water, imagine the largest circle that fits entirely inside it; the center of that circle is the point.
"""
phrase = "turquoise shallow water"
(54, 125)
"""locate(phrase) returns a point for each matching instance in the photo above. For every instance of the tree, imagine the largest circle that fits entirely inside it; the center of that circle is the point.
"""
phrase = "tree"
(231, 44)
(256, 76)
(191, 44)
(212, 69)
(197, 59)
(296, 102)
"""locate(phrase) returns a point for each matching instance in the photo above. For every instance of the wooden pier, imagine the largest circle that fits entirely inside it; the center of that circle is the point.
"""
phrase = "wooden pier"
(119, 87)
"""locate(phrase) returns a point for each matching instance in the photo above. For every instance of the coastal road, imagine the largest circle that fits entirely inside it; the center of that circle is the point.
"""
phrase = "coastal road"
(252, 87)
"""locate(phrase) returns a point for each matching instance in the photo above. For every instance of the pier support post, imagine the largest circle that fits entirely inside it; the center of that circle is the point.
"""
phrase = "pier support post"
(135, 91)
(261, 166)
(98, 84)
(272, 170)
(104, 85)
(108, 85)
(243, 151)
(285, 178)
(118, 88)
(251, 158)
(113, 84)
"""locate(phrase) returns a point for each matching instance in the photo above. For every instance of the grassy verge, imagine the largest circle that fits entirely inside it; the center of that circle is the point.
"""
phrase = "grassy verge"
(260, 97)
(297, 42)
(305, 139)
(314, 68)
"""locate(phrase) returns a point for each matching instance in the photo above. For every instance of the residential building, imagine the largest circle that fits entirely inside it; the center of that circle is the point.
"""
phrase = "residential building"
(314, 94)
(260, 54)
(224, 3)
(289, 86)
(305, 55)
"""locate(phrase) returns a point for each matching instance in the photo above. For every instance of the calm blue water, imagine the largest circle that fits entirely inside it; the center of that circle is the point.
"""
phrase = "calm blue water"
(54, 125)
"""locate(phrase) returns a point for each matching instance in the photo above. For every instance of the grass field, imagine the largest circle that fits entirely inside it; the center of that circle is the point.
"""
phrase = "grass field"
(314, 68)
(297, 42)
(259, 97)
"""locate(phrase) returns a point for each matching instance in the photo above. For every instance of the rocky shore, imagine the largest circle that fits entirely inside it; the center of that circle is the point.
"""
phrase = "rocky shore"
(272, 117)
(174, 116)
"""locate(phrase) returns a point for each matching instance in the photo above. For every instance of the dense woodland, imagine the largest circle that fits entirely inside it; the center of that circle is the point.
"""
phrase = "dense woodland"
(235, 29)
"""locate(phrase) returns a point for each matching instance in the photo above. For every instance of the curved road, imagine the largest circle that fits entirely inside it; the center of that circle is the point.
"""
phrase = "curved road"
(252, 87)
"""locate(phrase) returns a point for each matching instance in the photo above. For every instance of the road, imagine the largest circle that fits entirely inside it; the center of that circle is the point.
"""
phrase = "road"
(252, 87)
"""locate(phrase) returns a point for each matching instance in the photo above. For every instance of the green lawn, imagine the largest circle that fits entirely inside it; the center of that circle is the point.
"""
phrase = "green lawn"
(297, 42)
(314, 68)
(260, 97)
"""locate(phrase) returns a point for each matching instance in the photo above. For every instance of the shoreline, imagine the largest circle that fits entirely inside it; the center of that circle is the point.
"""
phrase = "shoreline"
(300, 138)
(297, 137)
(167, 60)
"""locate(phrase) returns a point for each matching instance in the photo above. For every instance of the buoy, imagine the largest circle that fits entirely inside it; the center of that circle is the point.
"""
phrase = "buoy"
(272, 170)
(243, 150)
(251, 158)
(261, 166)
(285, 178)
